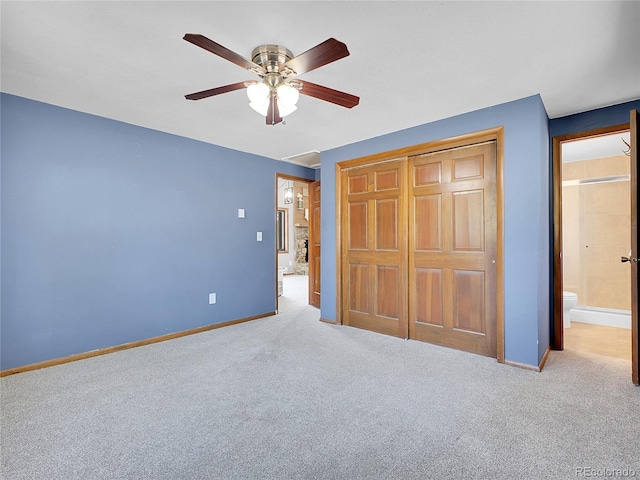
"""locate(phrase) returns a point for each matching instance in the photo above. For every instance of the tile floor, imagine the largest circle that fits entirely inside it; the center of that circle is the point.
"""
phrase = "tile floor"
(590, 338)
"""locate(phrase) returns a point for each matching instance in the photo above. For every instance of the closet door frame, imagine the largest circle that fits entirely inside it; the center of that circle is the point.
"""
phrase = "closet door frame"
(496, 134)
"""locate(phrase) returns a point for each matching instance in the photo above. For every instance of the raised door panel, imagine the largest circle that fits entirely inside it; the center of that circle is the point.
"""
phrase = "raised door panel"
(428, 293)
(468, 221)
(428, 222)
(386, 226)
(388, 291)
(358, 183)
(468, 309)
(359, 289)
(316, 277)
(468, 167)
(427, 174)
(357, 226)
(386, 180)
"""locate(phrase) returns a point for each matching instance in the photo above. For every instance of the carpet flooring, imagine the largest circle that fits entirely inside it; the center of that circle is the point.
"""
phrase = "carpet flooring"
(290, 397)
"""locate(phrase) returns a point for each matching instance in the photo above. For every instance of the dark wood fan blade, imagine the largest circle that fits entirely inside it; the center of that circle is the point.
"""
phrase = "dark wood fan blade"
(273, 114)
(329, 95)
(217, 49)
(328, 51)
(215, 91)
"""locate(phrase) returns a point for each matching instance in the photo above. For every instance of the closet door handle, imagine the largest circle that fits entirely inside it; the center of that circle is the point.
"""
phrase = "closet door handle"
(628, 259)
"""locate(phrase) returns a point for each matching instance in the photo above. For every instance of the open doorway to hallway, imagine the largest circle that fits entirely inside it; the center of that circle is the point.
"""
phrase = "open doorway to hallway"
(295, 293)
(292, 241)
(595, 192)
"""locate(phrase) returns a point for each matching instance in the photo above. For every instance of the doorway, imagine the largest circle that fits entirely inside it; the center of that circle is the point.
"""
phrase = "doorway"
(293, 215)
(631, 259)
(596, 232)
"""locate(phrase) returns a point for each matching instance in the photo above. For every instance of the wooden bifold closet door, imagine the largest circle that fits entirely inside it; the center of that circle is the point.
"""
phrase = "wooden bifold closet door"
(452, 248)
(419, 241)
(375, 245)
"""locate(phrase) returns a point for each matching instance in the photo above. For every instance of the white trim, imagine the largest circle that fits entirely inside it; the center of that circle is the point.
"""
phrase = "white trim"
(601, 316)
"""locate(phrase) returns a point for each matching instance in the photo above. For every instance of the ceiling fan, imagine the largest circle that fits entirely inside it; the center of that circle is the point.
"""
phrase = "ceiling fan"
(276, 93)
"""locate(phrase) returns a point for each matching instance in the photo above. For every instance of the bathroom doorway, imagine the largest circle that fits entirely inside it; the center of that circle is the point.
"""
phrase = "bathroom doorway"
(592, 172)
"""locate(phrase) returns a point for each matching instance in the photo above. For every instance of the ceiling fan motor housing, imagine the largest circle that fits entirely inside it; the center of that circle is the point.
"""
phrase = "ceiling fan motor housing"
(272, 59)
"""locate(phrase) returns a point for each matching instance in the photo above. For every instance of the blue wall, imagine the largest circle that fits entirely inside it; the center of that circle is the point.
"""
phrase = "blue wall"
(545, 242)
(526, 214)
(113, 233)
(593, 119)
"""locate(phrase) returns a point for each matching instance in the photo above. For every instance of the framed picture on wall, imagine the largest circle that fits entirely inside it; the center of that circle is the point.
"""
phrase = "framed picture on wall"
(281, 231)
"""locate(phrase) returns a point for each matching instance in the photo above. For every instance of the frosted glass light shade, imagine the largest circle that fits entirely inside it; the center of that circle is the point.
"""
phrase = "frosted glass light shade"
(261, 108)
(287, 99)
(285, 110)
(258, 94)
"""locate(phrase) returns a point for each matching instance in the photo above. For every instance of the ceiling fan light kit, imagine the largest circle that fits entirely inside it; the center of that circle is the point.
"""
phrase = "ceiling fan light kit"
(258, 94)
(276, 94)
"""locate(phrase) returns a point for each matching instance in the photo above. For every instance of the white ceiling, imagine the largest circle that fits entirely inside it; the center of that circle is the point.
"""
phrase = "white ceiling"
(410, 63)
(595, 147)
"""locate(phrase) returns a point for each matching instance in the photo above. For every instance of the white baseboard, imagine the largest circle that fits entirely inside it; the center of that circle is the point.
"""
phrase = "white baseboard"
(598, 316)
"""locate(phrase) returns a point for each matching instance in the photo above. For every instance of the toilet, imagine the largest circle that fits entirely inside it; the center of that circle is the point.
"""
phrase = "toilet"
(569, 300)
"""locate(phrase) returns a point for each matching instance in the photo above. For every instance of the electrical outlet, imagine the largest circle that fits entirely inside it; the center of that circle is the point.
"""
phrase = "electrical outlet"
(212, 298)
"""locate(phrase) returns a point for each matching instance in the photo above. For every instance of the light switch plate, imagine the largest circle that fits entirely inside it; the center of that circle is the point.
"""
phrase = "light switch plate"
(212, 298)
(241, 213)
(259, 236)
